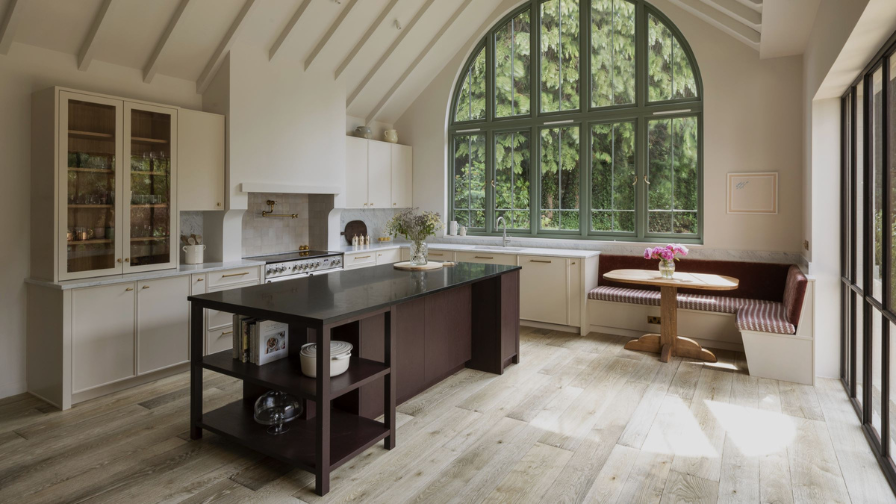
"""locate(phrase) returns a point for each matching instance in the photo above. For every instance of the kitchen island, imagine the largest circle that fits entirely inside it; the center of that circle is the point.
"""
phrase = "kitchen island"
(410, 330)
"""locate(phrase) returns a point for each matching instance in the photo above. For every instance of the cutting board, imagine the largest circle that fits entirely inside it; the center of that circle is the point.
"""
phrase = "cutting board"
(353, 228)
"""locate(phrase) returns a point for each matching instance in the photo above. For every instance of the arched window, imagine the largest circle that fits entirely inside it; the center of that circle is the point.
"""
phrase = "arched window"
(606, 146)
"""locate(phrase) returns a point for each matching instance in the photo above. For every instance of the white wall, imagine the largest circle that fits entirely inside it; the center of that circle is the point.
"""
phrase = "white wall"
(753, 122)
(27, 69)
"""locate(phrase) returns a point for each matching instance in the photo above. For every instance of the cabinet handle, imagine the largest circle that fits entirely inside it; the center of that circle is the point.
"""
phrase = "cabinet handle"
(371, 204)
(201, 279)
(482, 257)
(394, 204)
(573, 263)
(540, 261)
(145, 287)
(435, 255)
(235, 274)
(129, 289)
(219, 204)
(365, 204)
(646, 181)
(636, 180)
(362, 257)
(119, 260)
(225, 333)
(127, 259)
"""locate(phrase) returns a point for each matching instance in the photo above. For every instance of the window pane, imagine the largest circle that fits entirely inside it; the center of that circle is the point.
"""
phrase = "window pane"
(858, 317)
(612, 52)
(559, 55)
(669, 75)
(471, 100)
(512, 67)
(560, 178)
(877, 192)
(876, 366)
(859, 184)
(672, 158)
(469, 180)
(612, 174)
(892, 403)
(512, 178)
(891, 224)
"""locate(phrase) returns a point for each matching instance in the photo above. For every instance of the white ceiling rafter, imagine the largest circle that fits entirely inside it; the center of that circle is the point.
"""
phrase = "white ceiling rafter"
(11, 22)
(326, 38)
(391, 93)
(404, 32)
(288, 29)
(373, 27)
(88, 49)
(223, 48)
(717, 14)
(739, 12)
(152, 66)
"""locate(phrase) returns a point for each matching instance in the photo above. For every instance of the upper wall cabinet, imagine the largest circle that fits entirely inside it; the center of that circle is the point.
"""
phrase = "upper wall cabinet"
(377, 174)
(104, 173)
(201, 159)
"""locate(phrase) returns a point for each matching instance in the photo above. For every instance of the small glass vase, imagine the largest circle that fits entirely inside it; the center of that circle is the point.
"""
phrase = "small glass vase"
(667, 268)
(419, 252)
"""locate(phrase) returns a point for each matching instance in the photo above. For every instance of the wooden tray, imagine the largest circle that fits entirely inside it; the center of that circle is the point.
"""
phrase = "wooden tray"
(406, 266)
(353, 228)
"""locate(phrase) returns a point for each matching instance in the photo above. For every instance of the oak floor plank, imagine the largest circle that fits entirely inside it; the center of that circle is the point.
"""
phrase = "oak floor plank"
(612, 476)
(739, 477)
(774, 465)
(636, 430)
(861, 474)
(684, 383)
(531, 477)
(685, 489)
(713, 390)
(800, 401)
(814, 470)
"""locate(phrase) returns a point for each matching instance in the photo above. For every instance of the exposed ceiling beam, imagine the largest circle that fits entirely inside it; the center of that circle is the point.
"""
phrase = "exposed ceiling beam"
(738, 11)
(407, 29)
(85, 55)
(223, 48)
(288, 29)
(149, 71)
(756, 5)
(722, 21)
(323, 42)
(11, 22)
(376, 24)
(382, 104)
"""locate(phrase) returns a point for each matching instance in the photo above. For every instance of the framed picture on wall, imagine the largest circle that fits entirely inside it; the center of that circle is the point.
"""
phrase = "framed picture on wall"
(753, 193)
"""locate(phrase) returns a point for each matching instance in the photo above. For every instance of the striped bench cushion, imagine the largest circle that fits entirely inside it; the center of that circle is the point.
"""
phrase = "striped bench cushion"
(766, 317)
(685, 301)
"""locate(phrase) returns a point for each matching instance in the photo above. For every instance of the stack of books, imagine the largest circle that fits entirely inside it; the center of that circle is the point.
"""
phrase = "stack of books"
(259, 341)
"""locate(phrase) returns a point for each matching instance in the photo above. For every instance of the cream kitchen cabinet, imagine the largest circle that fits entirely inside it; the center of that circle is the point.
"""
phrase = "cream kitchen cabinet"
(544, 287)
(377, 174)
(360, 259)
(163, 323)
(402, 176)
(486, 257)
(388, 256)
(436, 255)
(102, 332)
(201, 159)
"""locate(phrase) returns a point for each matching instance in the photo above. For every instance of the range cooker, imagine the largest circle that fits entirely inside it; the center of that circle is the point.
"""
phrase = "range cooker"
(304, 263)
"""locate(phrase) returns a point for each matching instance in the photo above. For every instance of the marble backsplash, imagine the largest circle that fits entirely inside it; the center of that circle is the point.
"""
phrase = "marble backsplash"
(272, 235)
(191, 223)
(374, 219)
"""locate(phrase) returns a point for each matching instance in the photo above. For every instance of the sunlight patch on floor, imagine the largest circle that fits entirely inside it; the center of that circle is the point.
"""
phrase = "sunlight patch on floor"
(676, 432)
(755, 432)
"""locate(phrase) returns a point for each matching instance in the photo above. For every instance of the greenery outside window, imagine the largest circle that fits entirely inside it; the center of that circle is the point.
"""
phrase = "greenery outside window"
(580, 119)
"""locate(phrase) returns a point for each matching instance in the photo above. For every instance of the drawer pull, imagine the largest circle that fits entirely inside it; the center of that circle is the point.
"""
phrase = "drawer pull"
(145, 287)
(362, 257)
(225, 333)
(482, 257)
(435, 255)
(540, 261)
(129, 289)
(235, 274)
(200, 279)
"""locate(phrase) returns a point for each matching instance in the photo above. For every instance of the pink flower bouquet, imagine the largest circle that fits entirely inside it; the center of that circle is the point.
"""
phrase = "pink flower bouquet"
(668, 253)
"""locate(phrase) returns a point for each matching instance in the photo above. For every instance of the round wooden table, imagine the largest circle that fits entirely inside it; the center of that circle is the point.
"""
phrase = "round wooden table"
(668, 342)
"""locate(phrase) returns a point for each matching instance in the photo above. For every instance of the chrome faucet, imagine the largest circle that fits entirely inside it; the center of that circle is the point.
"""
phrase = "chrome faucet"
(503, 223)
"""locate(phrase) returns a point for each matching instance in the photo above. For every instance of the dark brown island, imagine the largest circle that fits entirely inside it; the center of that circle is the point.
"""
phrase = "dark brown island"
(410, 330)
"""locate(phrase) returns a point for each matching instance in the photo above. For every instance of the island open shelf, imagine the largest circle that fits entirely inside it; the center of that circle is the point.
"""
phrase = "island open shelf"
(349, 435)
(286, 374)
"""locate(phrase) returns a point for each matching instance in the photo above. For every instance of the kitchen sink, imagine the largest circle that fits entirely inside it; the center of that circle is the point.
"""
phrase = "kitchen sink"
(497, 248)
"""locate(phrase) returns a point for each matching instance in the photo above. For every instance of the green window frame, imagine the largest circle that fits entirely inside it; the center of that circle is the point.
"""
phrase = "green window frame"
(614, 127)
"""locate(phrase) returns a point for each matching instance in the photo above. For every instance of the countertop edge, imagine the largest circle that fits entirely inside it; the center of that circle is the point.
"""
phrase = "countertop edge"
(565, 253)
(182, 270)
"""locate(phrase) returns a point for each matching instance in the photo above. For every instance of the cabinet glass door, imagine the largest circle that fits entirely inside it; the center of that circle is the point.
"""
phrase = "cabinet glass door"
(150, 150)
(89, 153)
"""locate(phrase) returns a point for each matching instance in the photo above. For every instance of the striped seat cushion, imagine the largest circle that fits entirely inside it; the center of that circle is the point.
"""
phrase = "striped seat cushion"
(685, 301)
(766, 317)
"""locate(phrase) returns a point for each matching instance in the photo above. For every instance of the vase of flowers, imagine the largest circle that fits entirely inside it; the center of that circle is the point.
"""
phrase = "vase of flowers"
(415, 227)
(667, 256)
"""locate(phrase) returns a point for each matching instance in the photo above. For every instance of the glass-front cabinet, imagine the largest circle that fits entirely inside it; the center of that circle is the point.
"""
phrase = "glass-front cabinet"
(117, 168)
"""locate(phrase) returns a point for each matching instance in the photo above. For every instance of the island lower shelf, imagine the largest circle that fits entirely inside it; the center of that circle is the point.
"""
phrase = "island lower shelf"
(349, 435)
(286, 374)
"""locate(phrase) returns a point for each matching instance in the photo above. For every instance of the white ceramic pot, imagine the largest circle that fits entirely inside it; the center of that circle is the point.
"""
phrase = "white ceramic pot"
(340, 352)
(391, 136)
(193, 254)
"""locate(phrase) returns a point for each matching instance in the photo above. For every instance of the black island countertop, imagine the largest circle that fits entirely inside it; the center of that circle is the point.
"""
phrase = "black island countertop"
(345, 294)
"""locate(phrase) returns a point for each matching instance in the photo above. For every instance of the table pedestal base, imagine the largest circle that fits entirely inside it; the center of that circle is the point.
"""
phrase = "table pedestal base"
(668, 343)
(681, 347)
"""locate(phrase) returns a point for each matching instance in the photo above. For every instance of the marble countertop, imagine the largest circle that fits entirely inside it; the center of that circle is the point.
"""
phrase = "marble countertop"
(540, 251)
(344, 294)
(184, 269)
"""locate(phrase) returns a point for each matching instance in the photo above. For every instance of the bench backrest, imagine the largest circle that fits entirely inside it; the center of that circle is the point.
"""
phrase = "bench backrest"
(756, 280)
(794, 292)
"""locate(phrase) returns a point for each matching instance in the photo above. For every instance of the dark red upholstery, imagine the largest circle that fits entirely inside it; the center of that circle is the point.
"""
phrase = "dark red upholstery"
(794, 292)
(757, 280)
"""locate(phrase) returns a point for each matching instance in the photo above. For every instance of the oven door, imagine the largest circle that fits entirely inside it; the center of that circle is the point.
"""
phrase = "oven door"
(286, 277)
(324, 272)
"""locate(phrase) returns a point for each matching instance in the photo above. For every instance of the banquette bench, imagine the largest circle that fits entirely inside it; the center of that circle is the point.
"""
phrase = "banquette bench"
(769, 316)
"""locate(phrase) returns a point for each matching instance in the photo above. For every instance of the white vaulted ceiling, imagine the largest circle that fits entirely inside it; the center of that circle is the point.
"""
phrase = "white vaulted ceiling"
(385, 52)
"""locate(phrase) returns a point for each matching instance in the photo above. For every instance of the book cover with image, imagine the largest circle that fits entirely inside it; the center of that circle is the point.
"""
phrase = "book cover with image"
(272, 342)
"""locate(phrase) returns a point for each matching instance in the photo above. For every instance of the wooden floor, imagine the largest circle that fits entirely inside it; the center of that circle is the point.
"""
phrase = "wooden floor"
(579, 420)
